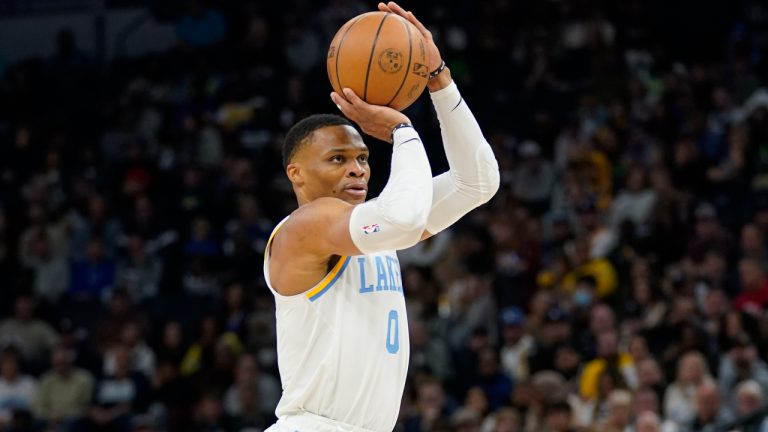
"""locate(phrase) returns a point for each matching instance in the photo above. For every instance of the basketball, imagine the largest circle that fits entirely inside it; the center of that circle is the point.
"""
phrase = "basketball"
(382, 57)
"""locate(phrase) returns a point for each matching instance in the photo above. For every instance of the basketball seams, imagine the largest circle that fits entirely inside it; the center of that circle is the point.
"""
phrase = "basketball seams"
(408, 67)
(370, 59)
(338, 52)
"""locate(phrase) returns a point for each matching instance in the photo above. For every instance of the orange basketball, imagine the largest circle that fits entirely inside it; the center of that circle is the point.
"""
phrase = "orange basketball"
(382, 57)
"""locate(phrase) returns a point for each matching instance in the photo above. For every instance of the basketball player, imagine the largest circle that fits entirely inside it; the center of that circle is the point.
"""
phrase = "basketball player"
(342, 334)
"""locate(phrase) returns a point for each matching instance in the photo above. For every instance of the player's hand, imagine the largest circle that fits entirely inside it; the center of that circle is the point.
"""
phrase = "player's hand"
(375, 120)
(435, 60)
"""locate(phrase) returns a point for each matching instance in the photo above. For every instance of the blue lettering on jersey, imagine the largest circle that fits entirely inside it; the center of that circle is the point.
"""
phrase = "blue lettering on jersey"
(381, 273)
(392, 279)
(363, 287)
(388, 276)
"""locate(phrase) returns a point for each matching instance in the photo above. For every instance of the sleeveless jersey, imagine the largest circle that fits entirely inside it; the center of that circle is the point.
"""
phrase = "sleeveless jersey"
(342, 346)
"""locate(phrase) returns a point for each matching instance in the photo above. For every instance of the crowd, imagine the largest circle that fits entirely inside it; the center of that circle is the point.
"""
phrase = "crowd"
(618, 281)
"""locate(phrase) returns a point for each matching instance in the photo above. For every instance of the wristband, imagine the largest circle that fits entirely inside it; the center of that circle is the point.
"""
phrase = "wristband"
(398, 126)
(437, 71)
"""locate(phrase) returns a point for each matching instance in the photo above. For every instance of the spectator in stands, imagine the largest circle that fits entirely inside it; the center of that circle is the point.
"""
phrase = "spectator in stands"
(709, 410)
(741, 363)
(17, 391)
(680, 396)
(64, 394)
(32, 336)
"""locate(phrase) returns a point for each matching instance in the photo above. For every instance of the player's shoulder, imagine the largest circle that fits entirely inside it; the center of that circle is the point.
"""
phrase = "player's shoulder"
(308, 221)
(321, 210)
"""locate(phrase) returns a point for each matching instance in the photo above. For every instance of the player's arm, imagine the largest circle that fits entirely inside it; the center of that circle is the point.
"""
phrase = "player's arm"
(473, 178)
(396, 219)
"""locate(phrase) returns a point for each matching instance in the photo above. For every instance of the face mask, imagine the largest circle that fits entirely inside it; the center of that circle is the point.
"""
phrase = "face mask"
(582, 298)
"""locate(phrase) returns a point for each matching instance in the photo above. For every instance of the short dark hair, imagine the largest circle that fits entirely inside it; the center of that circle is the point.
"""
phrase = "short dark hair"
(299, 132)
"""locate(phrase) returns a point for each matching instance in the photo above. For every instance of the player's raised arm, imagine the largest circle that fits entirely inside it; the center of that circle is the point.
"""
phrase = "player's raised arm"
(473, 178)
(338, 225)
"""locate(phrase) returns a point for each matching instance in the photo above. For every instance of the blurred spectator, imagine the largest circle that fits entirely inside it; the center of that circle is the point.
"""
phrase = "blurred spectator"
(752, 242)
(635, 202)
(749, 401)
(557, 418)
(680, 396)
(431, 405)
(171, 346)
(534, 179)
(142, 358)
(17, 391)
(235, 314)
(119, 395)
(504, 420)
(94, 276)
(93, 221)
(140, 272)
(429, 355)
(555, 332)
(619, 412)
(253, 397)
(200, 354)
(709, 234)
(209, 415)
(32, 336)
(50, 265)
(517, 344)
(709, 410)
(109, 325)
(648, 422)
(64, 394)
(601, 271)
(496, 384)
(741, 363)
(754, 295)
(609, 359)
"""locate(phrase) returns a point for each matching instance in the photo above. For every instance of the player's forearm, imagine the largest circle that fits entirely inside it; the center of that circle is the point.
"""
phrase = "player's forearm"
(401, 210)
(473, 177)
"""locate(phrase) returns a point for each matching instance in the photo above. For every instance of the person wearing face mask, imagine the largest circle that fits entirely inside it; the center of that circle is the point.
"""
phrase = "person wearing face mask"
(584, 293)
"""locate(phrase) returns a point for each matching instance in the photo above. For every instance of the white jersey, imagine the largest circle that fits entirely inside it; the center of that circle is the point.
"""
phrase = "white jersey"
(343, 346)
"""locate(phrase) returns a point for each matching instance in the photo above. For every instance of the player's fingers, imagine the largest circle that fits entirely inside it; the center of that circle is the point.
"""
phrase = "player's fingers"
(384, 8)
(341, 103)
(415, 21)
(353, 98)
(394, 7)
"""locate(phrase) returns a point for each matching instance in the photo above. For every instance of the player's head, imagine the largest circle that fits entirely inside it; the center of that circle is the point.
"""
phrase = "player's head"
(324, 156)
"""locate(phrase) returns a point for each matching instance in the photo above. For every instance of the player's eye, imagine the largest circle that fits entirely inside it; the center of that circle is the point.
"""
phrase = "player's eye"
(363, 158)
(337, 158)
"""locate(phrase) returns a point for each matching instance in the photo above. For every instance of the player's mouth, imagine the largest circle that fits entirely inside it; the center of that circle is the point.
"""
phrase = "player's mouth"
(357, 190)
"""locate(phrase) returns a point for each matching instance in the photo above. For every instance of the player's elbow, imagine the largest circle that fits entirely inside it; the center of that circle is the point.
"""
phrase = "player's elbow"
(487, 181)
(491, 182)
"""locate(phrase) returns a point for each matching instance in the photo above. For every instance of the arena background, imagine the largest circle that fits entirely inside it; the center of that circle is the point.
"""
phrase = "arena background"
(617, 282)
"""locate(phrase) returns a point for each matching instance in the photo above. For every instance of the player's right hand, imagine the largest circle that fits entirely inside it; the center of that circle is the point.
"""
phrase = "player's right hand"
(375, 120)
(435, 59)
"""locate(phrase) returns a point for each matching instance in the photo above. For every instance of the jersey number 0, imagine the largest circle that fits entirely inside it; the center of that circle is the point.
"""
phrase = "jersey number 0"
(393, 333)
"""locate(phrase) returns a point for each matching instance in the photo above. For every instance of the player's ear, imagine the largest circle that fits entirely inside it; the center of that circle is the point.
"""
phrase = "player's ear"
(295, 173)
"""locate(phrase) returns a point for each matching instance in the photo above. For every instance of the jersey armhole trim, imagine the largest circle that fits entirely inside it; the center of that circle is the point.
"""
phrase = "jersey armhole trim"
(329, 279)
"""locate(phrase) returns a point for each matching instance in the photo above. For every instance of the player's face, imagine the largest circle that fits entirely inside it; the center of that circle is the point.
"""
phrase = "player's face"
(335, 164)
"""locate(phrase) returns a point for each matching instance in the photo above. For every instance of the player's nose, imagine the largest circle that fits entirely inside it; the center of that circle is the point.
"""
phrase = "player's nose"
(356, 169)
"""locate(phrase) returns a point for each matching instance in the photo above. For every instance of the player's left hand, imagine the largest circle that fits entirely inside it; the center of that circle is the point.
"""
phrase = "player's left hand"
(435, 60)
(375, 120)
